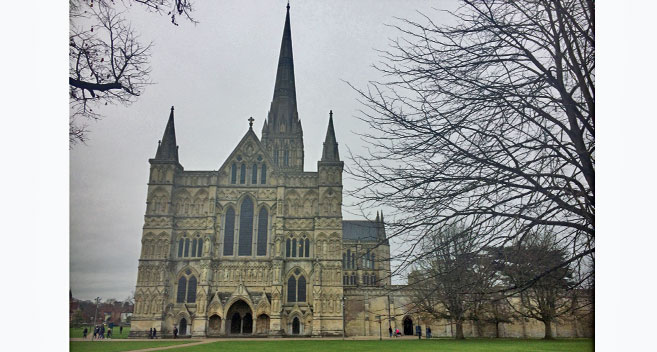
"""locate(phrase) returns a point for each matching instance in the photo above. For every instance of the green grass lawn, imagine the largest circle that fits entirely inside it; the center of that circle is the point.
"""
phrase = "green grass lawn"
(77, 332)
(116, 346)
(470, 345)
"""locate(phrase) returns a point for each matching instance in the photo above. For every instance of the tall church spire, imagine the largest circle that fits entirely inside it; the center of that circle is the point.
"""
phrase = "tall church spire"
(282, 134)
(167, 149)
(330, 152)
(284, 104)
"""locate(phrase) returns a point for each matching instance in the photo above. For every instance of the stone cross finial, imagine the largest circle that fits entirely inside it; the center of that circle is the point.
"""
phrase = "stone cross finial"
(251, 121)
(331, 113)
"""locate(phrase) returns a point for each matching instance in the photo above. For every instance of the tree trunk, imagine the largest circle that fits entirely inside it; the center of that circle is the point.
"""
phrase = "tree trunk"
(497, 329)
(548, 329)
(459, 331)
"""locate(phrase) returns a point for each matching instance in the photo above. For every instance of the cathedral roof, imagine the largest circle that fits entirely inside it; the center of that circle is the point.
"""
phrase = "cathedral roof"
(363, 230)
(248, 145)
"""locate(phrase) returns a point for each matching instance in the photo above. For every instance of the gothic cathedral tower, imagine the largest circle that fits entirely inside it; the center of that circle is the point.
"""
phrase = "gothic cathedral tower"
(282, 135)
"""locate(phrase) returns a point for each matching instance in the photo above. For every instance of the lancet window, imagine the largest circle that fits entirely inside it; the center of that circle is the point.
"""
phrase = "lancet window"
(261, 246)
(246, 227)
(229, 231)
(186, 288)
(296, 287)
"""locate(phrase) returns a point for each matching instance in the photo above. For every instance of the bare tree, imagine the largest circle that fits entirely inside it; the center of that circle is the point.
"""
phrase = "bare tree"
(451, 278)
(534, 266)
(107, 62)
(489, 122)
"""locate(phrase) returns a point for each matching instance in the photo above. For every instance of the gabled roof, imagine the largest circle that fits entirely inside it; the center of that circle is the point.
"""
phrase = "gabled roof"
(250, 136)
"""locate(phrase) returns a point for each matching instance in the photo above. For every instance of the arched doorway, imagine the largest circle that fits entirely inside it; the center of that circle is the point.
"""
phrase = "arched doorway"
(262, 324)
(247, 324)
(295, 326)
(182, 330)
(236, 324)
(240, 318)
(408, 326)
(214, 325)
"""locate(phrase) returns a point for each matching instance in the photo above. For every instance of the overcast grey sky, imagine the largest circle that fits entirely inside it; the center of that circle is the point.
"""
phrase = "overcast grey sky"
(218, 73)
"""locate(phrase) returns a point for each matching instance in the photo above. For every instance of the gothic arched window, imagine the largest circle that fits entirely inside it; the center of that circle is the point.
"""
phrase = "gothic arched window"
(186, 288)
(286, 158)
(229, 231)
(294, 247)
(254, 174)
(263, 174)
(191, 290)
(199, 251)
(194, 248)
(301, 283)
(307, 248)
(186, 254)
(292, 289)
(246, 227)
(349, 259)
(182, 288)
(296, 287)
(372, 262)
(181, 244)
(287, 247)
(261, 248)
(243, 174)
(344, 260)
(233, 174)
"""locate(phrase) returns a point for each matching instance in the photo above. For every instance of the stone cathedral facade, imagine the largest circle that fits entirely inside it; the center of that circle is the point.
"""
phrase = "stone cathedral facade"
(259, 246)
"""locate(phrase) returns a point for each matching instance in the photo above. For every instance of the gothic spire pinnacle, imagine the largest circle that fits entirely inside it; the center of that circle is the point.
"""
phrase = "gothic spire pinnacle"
(167, 148)
(330, 152)
(377, 216)
(283, 108)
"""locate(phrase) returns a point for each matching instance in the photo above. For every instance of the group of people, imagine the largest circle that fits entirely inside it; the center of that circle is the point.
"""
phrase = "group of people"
(152, 334)
(99, 332)
(418, 332)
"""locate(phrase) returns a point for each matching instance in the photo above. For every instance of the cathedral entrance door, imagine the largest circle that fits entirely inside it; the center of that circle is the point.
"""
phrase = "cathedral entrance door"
(295, 326)
(408, 326)
(183, 327)
(247, 324)
(241, 318)
(235, 324)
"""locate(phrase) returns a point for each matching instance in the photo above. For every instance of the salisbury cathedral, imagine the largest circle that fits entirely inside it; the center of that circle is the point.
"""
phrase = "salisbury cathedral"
(259, 247)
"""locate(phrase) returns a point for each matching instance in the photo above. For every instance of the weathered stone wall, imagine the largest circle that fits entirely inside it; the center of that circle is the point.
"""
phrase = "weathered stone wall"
(365, 304)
